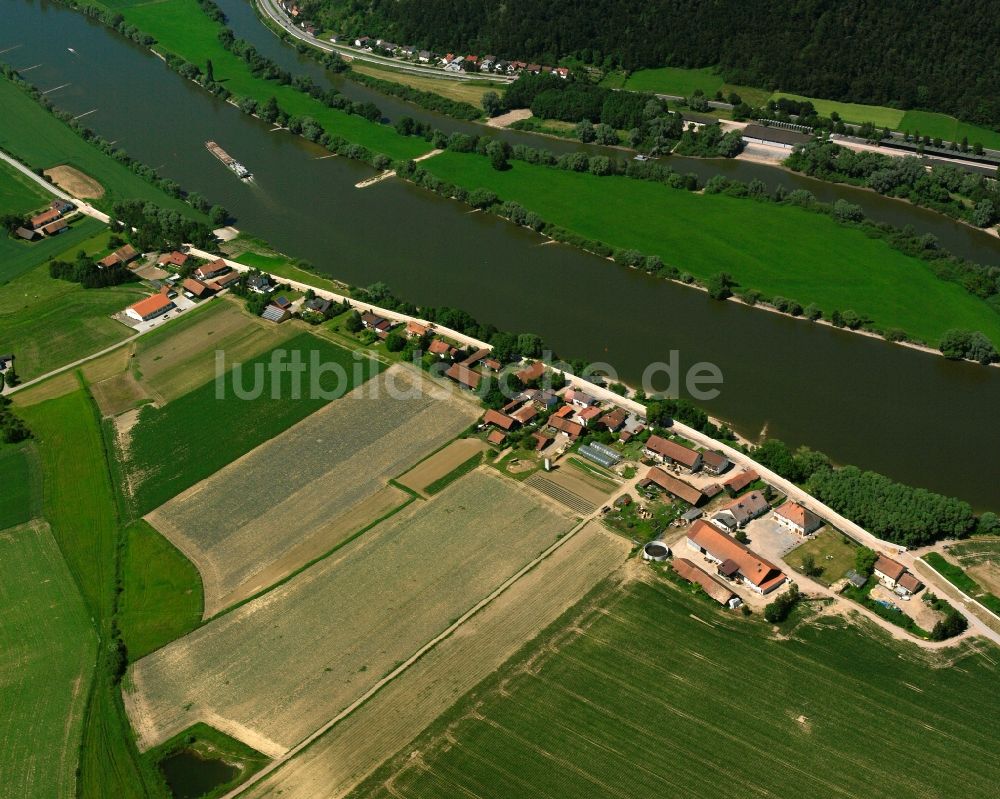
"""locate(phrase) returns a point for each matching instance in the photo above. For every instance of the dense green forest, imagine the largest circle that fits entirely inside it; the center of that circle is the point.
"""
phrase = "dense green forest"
(938, 56)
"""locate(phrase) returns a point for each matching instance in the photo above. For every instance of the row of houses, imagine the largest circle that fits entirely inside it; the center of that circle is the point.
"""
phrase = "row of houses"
(450, 62)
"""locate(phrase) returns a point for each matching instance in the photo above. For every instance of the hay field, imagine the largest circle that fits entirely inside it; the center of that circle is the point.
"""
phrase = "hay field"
(648, 692)
(349, 752)
(441, 464)
(300, 494)
(179, 358)
(47, 651)
(75, 182)
(279, 667)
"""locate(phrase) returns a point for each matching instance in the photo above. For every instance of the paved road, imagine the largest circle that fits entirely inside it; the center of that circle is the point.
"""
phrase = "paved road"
(273, 11)
(82, 205)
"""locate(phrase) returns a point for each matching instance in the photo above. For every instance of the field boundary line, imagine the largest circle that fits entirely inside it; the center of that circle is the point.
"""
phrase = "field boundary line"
(338, 546)
(406, 664)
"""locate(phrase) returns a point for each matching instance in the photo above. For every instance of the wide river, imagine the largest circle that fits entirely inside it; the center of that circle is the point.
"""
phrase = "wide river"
(916, 417)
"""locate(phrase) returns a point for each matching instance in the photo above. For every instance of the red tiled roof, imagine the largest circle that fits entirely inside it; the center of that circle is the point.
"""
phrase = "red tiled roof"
(464, 375)
(738, 482)
(529, 373)
(798, 515)
(196, 287)
(496, 437)
(694, 574)
(672, 450)
(525, 413)
(174, 258)
(415, 328)
(762, 573)
(499, 419)
(438, 347)
(889, 567)
(572, 429)
(910, 582)
(151, 305)
(45, 217)
(675, 486)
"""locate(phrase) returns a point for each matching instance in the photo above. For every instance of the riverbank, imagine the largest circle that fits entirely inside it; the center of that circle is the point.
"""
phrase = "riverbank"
(863, 293)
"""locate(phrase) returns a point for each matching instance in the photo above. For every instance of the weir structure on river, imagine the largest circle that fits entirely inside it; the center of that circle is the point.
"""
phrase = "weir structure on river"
(916, 417)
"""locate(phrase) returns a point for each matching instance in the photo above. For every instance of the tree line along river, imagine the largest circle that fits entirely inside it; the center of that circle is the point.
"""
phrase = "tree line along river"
(916, 417)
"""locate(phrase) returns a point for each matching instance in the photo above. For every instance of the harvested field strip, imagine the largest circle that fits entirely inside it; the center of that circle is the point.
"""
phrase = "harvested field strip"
(177, 359)
(635, 695)
(354, 748)
(47, 654)
(441, 464)
(574, 502)
(173, 447)
(274, 670)
(297, 496)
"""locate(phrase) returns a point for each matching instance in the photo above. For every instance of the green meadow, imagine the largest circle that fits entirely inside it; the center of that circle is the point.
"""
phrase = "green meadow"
(79, 505)
(779, 250)
(182, 28)
(19, 193)
(173, 447)
(162, 596)
(18, 256)
(928, 123)
(42, 141)
(881, 115)
(20, 500)
(48, 323)
(47, 654)
(646, 690)
(682, 81)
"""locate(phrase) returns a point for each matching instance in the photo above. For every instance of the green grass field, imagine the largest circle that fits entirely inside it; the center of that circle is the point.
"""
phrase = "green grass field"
(18, 193)
(948, 128)
(831, 551)
(851, 112)
(20, 500)
(182, 28)
(684, 82)
(80, 507)
(47, 651)
(18, 256)
(48, 323)
(162, 597)
(780, 250)
(643, 691)
(283, 267)
(192, 437)
(42, 141)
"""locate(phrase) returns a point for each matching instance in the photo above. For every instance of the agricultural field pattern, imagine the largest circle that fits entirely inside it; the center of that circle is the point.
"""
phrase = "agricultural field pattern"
(275, 669)
(295, 497)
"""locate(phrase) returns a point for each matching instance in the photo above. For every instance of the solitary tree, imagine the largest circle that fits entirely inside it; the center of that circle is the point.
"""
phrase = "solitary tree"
(209, 71)
(492, 104)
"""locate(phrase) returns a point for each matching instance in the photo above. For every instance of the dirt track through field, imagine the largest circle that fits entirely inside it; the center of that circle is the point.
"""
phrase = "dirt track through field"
(355, 747)
(276, 669)
(298, 495)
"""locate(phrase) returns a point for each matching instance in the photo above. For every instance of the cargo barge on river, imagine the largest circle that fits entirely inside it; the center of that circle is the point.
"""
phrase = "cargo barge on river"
(237, 168)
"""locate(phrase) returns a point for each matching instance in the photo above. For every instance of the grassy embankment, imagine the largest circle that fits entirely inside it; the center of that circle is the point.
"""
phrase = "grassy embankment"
(48, 323)
(957, 576)
(41, 141)
(637, 691)
(463, 91)
(182, 28)
(838, 268)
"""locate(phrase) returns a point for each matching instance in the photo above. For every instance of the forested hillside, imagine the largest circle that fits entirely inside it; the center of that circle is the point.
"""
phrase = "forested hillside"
(938, 55)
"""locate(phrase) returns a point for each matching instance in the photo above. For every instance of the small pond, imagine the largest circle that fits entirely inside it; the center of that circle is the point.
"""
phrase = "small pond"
(190, 776)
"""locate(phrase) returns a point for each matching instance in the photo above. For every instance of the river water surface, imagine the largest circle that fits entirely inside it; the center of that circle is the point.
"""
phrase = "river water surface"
(916, 417)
